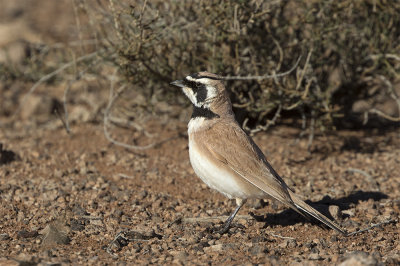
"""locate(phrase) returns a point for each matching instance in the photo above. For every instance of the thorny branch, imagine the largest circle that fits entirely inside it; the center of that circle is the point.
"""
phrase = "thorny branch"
(371, 227)
(266, 76)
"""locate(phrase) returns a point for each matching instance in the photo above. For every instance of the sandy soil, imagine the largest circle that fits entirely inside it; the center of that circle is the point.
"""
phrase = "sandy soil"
(66, 196)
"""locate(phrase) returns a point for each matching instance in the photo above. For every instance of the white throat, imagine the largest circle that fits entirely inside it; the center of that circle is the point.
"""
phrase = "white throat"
(195, 124)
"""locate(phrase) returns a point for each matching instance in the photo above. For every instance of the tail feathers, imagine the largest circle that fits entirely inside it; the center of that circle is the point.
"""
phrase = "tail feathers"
(304, 207)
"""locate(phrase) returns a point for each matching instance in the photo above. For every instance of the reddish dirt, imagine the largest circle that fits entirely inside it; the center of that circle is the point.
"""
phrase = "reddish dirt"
(65, 197)
(94, 189)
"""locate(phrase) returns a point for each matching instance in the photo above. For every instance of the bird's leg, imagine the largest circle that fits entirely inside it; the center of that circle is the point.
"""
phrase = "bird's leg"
(227, 224)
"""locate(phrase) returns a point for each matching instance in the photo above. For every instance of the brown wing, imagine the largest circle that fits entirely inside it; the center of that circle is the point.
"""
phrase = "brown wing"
(230, 145)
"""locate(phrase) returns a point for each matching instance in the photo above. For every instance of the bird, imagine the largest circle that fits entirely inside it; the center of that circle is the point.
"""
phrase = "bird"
(226, 158)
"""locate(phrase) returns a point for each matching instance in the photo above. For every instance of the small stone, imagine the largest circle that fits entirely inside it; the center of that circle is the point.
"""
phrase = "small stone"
(314, 256)
(193, 239)
(77, 225)
(58, 173)
(27, 234)
(4, 237)
(78, 210)
(96, 222)
(38, 105)
(217, 247)
(335, 212)
(14, 52)
(6, 156)
(79, 113)
(181, 255)
(55, 233)
(316, 241)
(358, 258)
(257, 250)
(284, 244)
(142, 234)
(349, 212)
(143, 194)
(292, 243)
(258, 239)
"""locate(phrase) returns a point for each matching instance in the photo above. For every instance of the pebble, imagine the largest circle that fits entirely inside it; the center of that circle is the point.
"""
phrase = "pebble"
(349, 212)
(218, 247)
(359, 258)
(291, 243)
(257, 250)
(335, 212)
(4, 237)
(55, 233)
(27, 234)
(181, 255)
(314, 256)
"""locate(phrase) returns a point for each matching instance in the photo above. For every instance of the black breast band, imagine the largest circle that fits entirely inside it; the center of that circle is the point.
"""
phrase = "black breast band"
(203, 112)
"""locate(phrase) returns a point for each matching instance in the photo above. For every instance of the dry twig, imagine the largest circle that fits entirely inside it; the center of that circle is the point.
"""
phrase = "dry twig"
(371, 227)
(283, 237)
(266, 76)
(214, 219)
(268, 124)
(354, 170)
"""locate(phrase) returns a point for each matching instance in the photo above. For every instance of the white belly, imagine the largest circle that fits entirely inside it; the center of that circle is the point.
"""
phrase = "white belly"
(216, 177)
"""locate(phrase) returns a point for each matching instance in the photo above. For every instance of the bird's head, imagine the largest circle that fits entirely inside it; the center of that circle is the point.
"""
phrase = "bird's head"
(202, 88)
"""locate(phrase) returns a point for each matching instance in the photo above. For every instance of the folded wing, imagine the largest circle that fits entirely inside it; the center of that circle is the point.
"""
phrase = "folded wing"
(244, 157)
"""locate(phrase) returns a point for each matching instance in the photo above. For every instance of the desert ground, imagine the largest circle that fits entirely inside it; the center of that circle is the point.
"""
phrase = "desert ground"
(65, 196)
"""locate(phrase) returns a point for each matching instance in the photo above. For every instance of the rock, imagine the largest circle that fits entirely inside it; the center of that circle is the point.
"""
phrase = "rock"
(27, 234)
(359, 258)
(6, 156)
(15, 31)
(257, 250)
(78, 210)
(77, 225)
(39, 105)
(219, 247)
(4, 237)
(14, 39)
(314, 256)
(142, 234)
(335, 212)
(291, 243)
(80, 113)
(55, 233)
(13, 53)
(349, 212)
(181, 255)
(258, 239)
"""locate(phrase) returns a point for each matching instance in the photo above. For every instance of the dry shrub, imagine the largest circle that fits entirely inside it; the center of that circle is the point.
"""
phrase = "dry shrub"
(349, 49)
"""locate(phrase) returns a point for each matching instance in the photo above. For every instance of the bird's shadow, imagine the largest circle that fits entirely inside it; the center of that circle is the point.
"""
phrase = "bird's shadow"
(290, 217)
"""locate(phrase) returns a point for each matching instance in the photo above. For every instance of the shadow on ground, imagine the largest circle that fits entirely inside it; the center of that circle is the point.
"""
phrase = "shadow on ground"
(290, 217)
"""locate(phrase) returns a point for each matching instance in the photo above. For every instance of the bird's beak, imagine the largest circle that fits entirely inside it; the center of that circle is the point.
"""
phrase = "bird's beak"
(178, 83)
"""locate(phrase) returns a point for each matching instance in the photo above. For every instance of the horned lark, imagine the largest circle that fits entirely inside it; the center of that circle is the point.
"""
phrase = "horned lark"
(226, 158)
